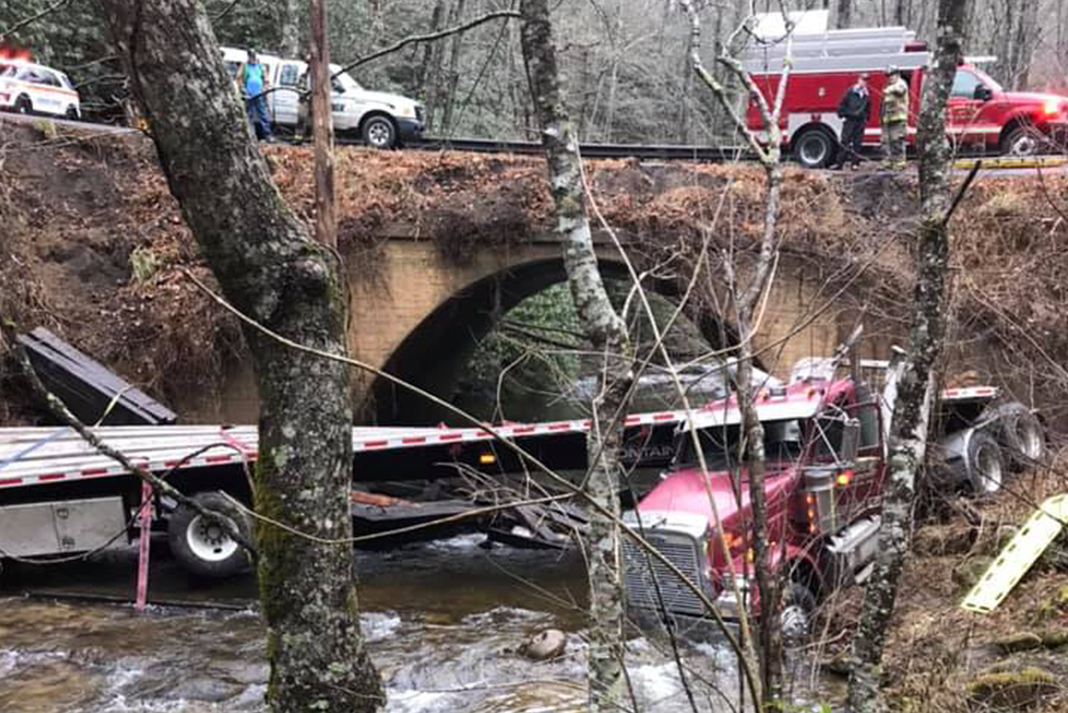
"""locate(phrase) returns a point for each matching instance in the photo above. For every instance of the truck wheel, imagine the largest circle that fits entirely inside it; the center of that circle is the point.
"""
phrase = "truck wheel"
(1024, 141)
(814, 148)
(798, 604)
(985, 467)
(1020, 434)
(72, 113)
(378, 132)
(201, 545)
(23, 105)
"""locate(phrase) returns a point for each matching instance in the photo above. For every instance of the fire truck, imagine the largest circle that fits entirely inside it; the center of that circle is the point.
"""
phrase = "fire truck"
(825, 444)
(981, 115)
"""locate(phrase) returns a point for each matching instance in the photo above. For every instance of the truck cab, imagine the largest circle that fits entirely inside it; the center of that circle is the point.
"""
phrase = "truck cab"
(825, 468)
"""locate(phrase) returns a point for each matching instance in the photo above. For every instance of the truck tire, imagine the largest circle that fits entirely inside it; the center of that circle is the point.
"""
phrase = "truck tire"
(23, 105)
(200, 545)
(1020, 435)
(798, 605)
(1024, 141)
(72, 113)
(814, 148)
(379, 132)
(984, 465)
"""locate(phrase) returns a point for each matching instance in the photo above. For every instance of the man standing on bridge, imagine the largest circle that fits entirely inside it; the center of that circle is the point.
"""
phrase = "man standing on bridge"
(253, 81)
(895, 119)
(855, 109)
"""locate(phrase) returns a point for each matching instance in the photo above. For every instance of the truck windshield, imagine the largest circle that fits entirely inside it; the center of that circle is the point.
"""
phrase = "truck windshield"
(720, 444)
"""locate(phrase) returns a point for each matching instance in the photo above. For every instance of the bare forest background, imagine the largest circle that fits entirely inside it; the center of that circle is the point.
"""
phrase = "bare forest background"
(628, 77)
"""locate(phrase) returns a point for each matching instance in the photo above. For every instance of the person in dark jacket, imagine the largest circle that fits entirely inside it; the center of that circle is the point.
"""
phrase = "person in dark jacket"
(855, 109)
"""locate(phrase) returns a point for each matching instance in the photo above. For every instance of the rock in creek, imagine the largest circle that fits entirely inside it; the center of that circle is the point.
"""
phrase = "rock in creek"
(544, 645)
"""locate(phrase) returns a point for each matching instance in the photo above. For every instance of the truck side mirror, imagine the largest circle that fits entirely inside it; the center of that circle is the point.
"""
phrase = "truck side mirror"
(850, 441)
(983, 93)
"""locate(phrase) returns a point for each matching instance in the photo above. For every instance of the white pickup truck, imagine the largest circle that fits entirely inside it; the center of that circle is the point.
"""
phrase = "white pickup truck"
(382, 120)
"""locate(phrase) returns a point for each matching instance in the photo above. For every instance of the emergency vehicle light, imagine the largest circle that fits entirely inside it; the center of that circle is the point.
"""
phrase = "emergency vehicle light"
(1052, 106)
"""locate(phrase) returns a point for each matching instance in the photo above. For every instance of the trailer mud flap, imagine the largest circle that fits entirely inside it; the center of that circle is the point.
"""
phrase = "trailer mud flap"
(1017, 557)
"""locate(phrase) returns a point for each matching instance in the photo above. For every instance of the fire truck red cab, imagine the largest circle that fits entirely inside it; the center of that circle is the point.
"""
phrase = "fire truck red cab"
(981, 115)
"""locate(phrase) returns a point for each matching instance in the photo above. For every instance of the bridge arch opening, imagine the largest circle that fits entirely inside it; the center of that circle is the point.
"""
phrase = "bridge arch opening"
(436, 354)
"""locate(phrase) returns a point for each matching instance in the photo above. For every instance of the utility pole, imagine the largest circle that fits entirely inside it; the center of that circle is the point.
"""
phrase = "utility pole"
(322, 127)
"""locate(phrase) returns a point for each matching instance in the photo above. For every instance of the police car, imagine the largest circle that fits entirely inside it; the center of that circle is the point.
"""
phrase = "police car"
(30, 88)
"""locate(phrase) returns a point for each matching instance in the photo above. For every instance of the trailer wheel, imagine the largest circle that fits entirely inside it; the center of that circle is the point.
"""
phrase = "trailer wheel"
(201, 545)
(1020, 434)
(985, 467)
(798, 604)
(814, 148)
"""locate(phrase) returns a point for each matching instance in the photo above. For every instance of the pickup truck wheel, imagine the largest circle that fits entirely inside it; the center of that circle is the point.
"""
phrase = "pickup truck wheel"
(379, 132)
(986, 469)
(23, 105)
(1024, 141)
(201, 544)
(813, 148)
(798, 604)
(72, 113)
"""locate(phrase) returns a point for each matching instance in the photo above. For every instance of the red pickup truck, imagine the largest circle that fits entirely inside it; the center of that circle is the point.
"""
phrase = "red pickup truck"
(825, 441)
(981, 114)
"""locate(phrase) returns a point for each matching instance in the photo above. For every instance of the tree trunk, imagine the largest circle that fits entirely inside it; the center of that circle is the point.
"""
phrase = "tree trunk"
(607, 332)
(453, 72)
(290, 28)
(908, 431)
(322, 127)
(269, 268)
(845, 14)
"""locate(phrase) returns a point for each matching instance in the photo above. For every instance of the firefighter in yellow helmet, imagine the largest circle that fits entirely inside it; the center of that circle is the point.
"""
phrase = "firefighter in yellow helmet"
(895, 119)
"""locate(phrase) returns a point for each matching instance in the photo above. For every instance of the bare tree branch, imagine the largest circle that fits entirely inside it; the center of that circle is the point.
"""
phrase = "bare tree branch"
(32, 19)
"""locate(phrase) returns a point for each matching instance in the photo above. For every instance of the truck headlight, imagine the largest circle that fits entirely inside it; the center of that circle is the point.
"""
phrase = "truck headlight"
(406, 111)
(1053, 106)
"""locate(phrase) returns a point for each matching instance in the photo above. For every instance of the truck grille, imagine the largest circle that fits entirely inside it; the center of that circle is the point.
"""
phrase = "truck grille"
(641, 572)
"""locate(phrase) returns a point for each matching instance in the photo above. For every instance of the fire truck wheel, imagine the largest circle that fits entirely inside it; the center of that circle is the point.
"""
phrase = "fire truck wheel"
(814, 148)
(1024, 141)
(201, 545)
(985, 468)
(798, 604)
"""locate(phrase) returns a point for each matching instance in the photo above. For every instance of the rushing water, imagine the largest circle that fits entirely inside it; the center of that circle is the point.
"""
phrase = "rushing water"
(442, 619)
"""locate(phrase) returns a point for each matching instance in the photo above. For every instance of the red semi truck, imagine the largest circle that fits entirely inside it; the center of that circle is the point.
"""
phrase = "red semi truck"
(825, 440)
(981, 115)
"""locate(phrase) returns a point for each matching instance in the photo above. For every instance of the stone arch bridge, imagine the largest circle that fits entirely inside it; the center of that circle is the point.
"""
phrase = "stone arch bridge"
(421, 313)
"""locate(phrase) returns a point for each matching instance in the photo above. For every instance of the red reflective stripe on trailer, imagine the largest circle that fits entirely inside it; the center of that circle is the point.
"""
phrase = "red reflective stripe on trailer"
(663, 416)
(95, 471)
(484, 434)
(559, 426)
(218, 459)
(450, 436)
(375, 444)
(523, 429)
(587, 423)
(633, 419)
(52, 476)
(171, 464)
(10, 481)
(414, 439)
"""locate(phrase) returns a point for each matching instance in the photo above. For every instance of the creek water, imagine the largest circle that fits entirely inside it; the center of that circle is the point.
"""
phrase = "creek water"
(442, 620)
